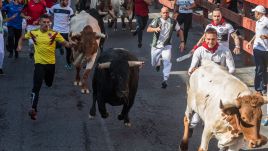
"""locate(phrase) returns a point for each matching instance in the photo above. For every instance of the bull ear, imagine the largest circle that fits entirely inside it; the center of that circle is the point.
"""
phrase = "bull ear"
(265, 97)
(228, 109)
(238, 102)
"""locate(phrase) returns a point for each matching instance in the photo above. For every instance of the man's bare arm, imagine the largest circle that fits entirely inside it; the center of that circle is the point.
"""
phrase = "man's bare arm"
(237, 43)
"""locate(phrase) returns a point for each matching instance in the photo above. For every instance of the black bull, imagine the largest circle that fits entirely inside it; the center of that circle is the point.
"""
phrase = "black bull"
(115, 81)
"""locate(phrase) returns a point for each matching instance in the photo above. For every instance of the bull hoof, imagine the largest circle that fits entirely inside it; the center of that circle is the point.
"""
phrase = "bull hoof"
(92, 113)
(128, 124)
(90, 116)
(77, 83)
(120, 117)
(84, 91)
(105, 115)
(183, 147)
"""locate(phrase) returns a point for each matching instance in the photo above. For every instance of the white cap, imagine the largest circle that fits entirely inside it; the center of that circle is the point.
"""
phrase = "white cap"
(259, 9)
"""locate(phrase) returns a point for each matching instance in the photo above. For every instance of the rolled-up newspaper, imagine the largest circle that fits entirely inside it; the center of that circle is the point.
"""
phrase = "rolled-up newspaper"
(189, 55)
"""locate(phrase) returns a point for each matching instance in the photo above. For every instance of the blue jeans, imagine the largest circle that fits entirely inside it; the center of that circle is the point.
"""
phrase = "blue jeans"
(261, 61)
(141, 24)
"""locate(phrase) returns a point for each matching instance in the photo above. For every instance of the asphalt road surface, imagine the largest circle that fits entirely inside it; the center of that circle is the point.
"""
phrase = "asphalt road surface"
(63, 123)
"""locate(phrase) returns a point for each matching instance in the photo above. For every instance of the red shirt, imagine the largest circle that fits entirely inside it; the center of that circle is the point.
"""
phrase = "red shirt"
(141, 8)
(50, 3)
(34, 10)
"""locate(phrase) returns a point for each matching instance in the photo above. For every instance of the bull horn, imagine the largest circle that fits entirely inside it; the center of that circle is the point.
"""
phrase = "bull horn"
(104, 65)
(77, 61)
(76, 34)
(135, 63)
(100, 35)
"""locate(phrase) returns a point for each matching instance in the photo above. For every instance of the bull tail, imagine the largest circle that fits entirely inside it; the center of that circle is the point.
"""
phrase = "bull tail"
(78, 60)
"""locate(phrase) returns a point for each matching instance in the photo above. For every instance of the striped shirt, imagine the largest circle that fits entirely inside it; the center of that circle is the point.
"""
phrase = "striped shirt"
(62, 17)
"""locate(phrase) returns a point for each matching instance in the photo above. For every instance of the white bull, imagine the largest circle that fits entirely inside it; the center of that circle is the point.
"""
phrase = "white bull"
(230, 111)
(85, 33)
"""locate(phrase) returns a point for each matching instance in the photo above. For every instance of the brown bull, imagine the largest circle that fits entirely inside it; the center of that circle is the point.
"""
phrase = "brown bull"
(85, 33)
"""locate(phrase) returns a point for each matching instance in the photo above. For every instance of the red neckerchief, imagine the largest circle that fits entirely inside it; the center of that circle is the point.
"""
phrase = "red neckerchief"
(220, 23)
(213, 49)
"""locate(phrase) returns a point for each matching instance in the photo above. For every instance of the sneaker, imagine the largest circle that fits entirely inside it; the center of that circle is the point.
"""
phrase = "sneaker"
(10, 55)
(1, 72)
(139, 45)
(164, 84)
(157, 68)
(134, 32)
(33, 114)
(31, 55)
(68, 66)
(264, 122)
(16, 55)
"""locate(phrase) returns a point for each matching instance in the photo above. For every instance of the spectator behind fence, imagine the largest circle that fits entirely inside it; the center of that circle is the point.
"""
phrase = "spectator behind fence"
(260, 52)
(260, 49)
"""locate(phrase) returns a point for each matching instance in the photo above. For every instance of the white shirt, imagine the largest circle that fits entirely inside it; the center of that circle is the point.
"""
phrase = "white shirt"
(182, 4)
(222, 56)
(62, 16)
(165, 26)
(223, 32)
(261, 29)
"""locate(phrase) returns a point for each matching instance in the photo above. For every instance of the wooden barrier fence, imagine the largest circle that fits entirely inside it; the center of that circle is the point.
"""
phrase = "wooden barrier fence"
(244, 21)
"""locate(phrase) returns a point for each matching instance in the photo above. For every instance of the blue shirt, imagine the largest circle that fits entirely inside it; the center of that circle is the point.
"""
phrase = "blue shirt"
(11, 9)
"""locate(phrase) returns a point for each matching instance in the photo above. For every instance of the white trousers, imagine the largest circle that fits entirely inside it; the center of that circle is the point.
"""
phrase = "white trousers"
(2, 51)
(164, 54)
